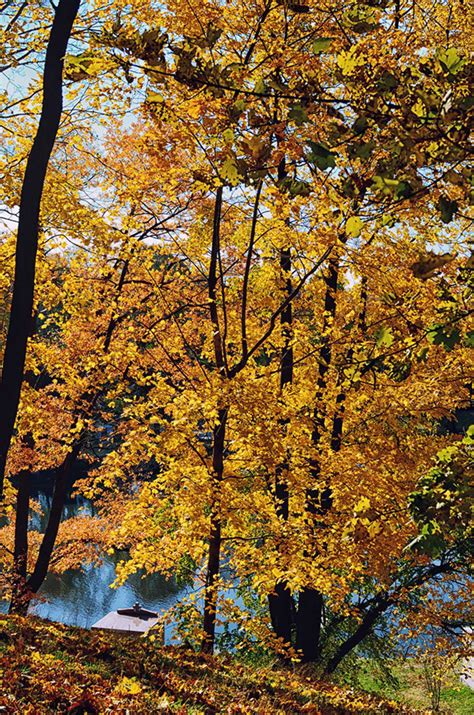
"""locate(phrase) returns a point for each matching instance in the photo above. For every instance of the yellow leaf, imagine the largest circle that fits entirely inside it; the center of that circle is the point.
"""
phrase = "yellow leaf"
(230, 172)
(354, 226)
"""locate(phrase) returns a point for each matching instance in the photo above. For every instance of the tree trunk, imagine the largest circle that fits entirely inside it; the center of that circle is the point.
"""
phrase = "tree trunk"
(63, 474)
(215, 536)
(24, 587)
(281, 608)
(318, 501)
(308, 624)
(311, 602)
(54, 519)
(280, 602)
(19, 598)
(28, 226)
(213, 563)
(364, 629)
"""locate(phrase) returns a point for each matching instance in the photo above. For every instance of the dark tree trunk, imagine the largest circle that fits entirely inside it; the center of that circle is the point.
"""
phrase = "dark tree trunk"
(213, 563)
(281, 612)
(380, 606)
(28, 226)
(25, 587)
(218, 442)
(54, 519)
(62, 480)
(311, 602)
(308, 624)
(280, 602)
(210, 593)
(19, 598)
(338, 420)
(318, 501)
(364, 629)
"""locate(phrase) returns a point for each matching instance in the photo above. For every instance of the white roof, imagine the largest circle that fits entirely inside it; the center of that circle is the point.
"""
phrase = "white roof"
(126, 624)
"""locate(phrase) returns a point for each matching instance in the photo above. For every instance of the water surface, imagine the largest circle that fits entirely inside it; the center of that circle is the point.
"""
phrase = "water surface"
(81, 597)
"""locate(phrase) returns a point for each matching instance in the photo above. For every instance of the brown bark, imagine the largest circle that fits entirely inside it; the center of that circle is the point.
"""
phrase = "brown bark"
(28, 226)
(218, 442)
(280, 602)
(19, 598)
(215, 537)
(54, 519)
(318, 501)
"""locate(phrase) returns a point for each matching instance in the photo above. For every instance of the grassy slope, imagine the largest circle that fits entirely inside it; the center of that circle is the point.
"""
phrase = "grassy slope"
(456, 698)
(46, 668)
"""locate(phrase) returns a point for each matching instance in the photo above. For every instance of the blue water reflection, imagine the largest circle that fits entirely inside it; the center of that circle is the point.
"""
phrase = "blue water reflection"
(80, 597)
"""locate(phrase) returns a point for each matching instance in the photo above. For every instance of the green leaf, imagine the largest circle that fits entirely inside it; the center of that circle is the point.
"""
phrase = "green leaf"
(419, 109)
(389, 220)
(386, 82)
(422, 354)
(384, 337)
(322, 44)
(237, 108)
(404, 190)
(354, 226)
(444, 335)
(228, 136)
(469, 436)
(363, 150)
(447, 209)
(360, 125)
(260, 87)
(385, 185)
(298, 114)
(360, 18)
(321, 156)
(349, 187)
(295, 187)
(469, 339)
(299, 188)
(446, 454)
(450, 61)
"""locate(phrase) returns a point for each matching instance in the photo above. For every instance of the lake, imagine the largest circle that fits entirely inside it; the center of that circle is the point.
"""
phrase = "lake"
(81, 597)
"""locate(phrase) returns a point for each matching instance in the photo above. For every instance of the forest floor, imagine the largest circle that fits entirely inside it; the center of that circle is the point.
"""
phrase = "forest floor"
(50, 668)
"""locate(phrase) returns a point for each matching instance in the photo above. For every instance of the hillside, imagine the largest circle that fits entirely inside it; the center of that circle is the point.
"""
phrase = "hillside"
(47, 667)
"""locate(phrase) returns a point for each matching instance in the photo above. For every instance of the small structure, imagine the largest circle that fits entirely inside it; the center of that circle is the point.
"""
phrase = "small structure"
(133, 621)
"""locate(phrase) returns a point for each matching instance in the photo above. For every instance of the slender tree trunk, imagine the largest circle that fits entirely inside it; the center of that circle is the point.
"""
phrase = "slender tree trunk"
(218, 442)
(363, 630)
(19, 598)
(318, 501)
(311, 602)
(338, 420)
(383, 602)
(54, 519)
(27, 587)
(28, 226)
(213, 563)
(280, 602)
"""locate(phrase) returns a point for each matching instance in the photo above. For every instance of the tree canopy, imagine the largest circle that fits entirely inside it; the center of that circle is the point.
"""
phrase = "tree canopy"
(252, 310)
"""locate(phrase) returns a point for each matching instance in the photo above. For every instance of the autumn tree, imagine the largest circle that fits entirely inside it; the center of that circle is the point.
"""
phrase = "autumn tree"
(301, 326)
(348, 129)
(55, 441)
(20, 316)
